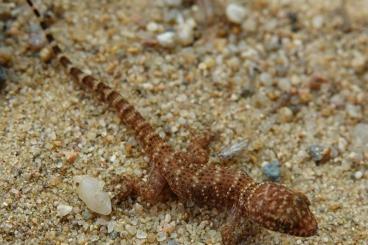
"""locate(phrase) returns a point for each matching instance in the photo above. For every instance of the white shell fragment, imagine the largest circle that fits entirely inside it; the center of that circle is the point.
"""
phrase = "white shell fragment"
(235, 13)
(232, 150)
(166, 39)
(63, 210)
(89, 189)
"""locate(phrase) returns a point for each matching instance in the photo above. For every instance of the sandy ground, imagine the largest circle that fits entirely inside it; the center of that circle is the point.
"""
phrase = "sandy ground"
(228, 78)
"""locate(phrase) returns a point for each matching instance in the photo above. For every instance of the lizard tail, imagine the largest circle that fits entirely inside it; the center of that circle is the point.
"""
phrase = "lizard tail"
(126, 112)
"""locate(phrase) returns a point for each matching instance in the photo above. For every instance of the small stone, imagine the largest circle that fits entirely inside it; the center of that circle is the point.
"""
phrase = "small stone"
(360, 137)
(285, 115)
(167, 39)
(3, 77)
(86, 214)
(71, 156)
(319, 154)
(182, 98)
(272, 170)
(89, 189)
(6, 56)
(37, 41)
(141, 234)
(46, 54)
(111, 226)
(6, 11)
(171, 242)
(265, 79)
(173, 3)
(235, 13)
(232, 150)
(131, 229)
(161, 236)
(316, 82)
(358, 175)
(359, 63)
(63, 210)
(152, 27)
(317, 21)
(354, 111)
(54, 181)
(185, 32)
(284, 84)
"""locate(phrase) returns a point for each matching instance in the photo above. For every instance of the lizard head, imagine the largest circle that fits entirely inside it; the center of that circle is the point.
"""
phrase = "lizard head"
(280, 209)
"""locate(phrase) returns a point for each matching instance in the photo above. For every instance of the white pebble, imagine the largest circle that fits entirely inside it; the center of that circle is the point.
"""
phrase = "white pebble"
(284, 84)
(161, 236)
(173, 3)
(89, 189)
(63, 210)
(152, 27)
(358, 174)
(111, 226)
(234, 149)
(354, 111)
(317, 21)
(235, 13)
(185, 32)
(166, 39)
(141, 234)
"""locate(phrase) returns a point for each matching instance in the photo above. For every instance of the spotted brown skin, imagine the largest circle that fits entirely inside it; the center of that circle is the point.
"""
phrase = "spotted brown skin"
(190, 176)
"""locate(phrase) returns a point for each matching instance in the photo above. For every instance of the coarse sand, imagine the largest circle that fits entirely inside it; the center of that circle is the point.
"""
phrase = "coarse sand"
(291, 79)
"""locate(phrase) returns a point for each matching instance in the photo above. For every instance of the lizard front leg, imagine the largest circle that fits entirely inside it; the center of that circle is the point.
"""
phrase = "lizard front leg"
(236, 230)
(154, 190)
(198, 149)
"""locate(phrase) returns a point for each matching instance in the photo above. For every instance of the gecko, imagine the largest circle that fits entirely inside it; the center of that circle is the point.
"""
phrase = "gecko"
(189, 174)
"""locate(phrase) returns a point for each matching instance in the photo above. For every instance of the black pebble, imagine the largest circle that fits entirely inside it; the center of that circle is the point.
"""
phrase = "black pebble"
(2, 77)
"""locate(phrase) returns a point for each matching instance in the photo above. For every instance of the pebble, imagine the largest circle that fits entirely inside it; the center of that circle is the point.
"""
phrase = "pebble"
(6, 56)
(354, 111)
(359, 63)
(319, 154)
(86, 214)
(63, 210)
(265, 79)
(173, 3)
(360, 137)
(167, 39)
(161, 236)
(2, 77)
(89, 189)
(317, 21)
(235, 13)
(285, 115)
(284, 84)
(46, 54)
(232, 150)
(358, 175)
(71, 156)
(272, 170)
(37, 41)
(141, 234)
(152, 27)
(5, 11)
(185, 32)
(171, 242)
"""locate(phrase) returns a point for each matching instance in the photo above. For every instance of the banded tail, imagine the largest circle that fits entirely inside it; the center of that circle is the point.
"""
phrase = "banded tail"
(151, 142)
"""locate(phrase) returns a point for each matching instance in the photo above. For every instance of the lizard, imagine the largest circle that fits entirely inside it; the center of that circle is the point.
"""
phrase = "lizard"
(190, 175)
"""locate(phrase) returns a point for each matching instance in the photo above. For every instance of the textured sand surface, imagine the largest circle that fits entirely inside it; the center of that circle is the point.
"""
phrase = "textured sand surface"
(227, 79)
